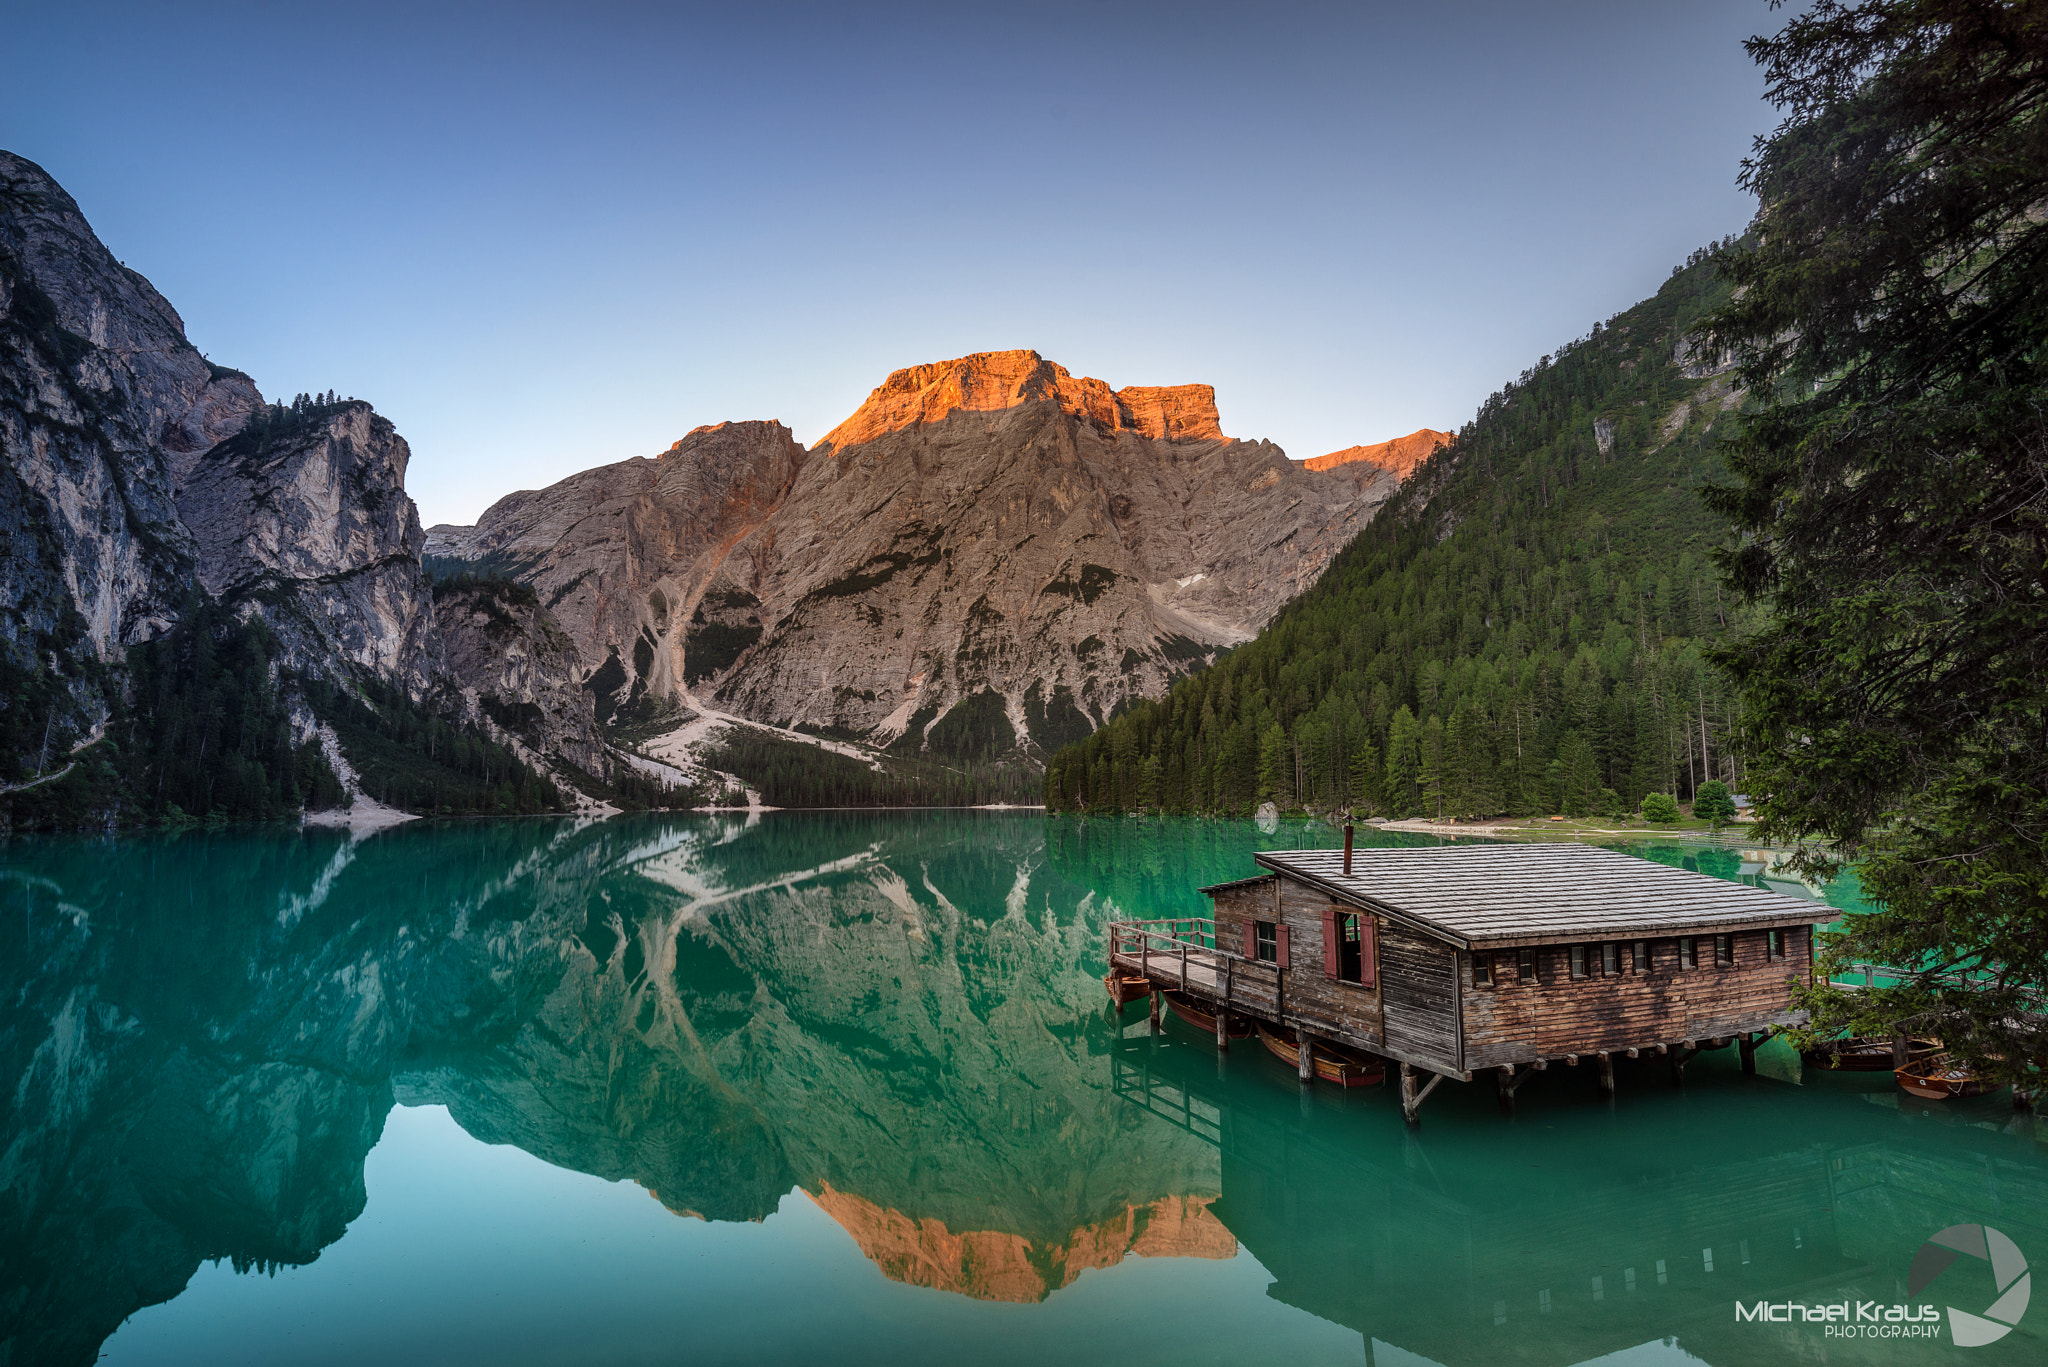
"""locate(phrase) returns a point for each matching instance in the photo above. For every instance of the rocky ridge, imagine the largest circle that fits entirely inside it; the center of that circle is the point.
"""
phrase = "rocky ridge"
(991, 531)
(1398, 457)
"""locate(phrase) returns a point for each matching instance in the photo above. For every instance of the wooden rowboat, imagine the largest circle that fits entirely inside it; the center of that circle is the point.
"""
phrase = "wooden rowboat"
(1940, 1077)
(1125, 989)
(1203, 1021)
(1334, 1063)
(1861, 1054)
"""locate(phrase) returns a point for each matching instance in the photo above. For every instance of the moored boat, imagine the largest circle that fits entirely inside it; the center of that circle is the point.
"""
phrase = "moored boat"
(1333, 1062)
(1238, 1026)
(1862, 1054)
(1126, 988)
(1940, 1077)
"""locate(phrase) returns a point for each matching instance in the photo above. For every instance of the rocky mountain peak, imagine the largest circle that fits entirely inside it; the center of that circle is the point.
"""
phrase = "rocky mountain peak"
(1398, 457)
(989, 381)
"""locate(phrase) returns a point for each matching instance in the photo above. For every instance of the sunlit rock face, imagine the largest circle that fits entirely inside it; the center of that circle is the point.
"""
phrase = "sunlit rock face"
(991, 531)
(1398, 457)
(989, 1265)
(992, 380)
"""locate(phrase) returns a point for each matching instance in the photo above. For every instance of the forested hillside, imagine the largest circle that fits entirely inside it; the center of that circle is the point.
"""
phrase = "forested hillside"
(1519, 631)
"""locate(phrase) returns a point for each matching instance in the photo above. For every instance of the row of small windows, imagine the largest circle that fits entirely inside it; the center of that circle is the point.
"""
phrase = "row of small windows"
(1613, 958)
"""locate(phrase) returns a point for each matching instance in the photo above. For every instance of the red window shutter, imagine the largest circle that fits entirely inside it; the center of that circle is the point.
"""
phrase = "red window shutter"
(1329, 942)
(1251, 939)
(1368, 938)
(1280, 935)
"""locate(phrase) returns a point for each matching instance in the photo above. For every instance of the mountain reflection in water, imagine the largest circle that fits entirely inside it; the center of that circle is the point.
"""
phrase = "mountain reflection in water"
(900, 1015)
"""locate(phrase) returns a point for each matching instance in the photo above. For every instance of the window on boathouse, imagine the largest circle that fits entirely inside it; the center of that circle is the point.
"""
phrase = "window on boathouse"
(1724, 949)
(1642, 956)
(1578, 961)
(1610, 959)
(1688, 953)
(1526, 967)
(1774, 943)
(1482, 970)
(1267, 943)
(1350, 948)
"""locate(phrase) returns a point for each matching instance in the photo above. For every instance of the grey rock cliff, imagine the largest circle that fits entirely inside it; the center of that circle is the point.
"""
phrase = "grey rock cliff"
(522, 668)
(101, 396)
(622, 554)
(305, 520)
(133, 471)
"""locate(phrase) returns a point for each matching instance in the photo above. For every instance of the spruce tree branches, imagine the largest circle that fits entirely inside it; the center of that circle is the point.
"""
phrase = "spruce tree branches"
(1890, 321)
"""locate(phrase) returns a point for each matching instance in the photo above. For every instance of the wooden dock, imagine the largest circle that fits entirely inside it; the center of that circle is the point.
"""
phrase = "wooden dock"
(1451, 961)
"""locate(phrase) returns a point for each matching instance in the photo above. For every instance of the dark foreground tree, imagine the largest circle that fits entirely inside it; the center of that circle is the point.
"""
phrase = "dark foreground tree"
(1890, 320)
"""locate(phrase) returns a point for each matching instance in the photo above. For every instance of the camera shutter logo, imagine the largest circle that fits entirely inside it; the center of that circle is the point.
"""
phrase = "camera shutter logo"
(2008, 1270)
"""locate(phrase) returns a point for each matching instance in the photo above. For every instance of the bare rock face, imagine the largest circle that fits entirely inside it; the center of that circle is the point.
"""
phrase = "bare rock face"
(134, 471)
(991, 554)
(304, 517)
(1041, 552)
(991, 380)
(521, 667)
(623, 555)
(100, 396)
(1398, 457)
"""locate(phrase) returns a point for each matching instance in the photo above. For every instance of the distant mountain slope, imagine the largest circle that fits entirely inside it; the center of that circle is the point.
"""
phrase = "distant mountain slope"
(1517, 630)
(986, 560)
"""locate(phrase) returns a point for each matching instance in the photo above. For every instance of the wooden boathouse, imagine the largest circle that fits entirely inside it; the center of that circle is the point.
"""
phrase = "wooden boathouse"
(1456, 960)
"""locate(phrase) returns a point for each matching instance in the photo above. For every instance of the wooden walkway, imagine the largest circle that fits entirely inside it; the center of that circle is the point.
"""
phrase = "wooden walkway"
(1181, 956)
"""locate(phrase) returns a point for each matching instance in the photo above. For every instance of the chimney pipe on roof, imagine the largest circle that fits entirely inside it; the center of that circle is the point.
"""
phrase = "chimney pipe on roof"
(1347, 849)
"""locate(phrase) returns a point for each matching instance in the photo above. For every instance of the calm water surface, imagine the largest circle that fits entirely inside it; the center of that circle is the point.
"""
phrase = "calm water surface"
(844, 1088)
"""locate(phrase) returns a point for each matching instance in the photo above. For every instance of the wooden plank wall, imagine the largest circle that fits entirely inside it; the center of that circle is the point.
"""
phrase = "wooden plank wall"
(1514, 1023)
(1348, 1012)
(1420, 979)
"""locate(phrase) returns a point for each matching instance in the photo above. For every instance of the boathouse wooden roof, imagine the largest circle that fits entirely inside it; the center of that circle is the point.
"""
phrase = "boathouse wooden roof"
(1501, 896)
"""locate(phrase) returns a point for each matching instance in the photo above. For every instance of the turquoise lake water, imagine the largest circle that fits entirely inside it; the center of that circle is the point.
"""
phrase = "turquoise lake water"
(844, 1087)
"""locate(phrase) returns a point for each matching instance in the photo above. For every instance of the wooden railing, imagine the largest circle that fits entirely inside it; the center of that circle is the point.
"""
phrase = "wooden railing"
(1182, 951)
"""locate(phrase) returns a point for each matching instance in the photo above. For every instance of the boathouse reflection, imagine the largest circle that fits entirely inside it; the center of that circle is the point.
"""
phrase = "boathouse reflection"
(1527, 1241)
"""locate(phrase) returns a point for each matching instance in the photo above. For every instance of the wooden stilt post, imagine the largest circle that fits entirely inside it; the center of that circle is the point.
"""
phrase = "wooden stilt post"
(1412, 1097)
(1901, 1047)
(1606, 1073)
(1222, 1027)
(1747, 1044)
(1305, 1057)
(1155, 1008)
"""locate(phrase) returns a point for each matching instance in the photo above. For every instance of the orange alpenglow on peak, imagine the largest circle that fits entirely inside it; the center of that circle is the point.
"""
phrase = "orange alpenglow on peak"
(1398, 457)
(992, 380)
(992, 1266)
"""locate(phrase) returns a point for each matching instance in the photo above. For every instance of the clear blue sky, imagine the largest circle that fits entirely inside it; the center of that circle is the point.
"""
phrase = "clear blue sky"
(545, 237)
